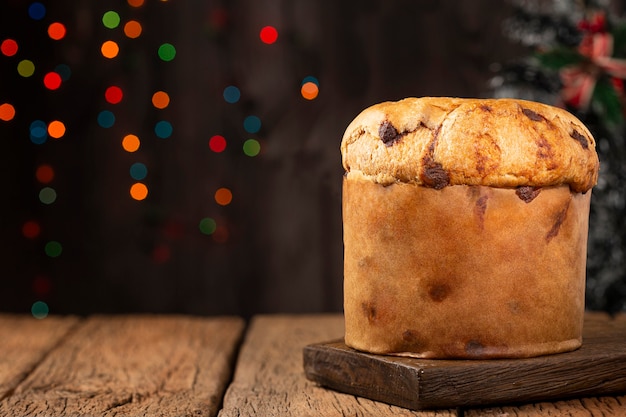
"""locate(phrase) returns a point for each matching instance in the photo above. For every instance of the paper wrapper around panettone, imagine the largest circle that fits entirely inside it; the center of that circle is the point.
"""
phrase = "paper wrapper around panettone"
(463, 271)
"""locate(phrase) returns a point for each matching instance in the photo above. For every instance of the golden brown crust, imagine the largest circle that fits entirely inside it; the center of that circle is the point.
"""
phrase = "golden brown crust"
(436, 142)
(465, 271)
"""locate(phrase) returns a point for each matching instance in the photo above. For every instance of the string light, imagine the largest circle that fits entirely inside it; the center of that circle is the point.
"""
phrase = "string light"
(163, 129)
(113, 94)
(167, 52)
(7, 112)
(52, 80)
(160, 99)
(252, 124)
(40, 310)
(139, 191)
(223, 196)
(132, 29)
(106, 119)
(36, 11)
(26, 68)
(31, 229)
(56, 31)
(44, 173)
(56, 129)
(111, 19)
(251, 147)
(8, 47)
(217, 143)
(131, 143)
(268, 35)
(231, 94)
(110, 49)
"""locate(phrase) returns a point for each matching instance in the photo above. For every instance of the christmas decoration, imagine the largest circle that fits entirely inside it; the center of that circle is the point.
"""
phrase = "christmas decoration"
(577, 60)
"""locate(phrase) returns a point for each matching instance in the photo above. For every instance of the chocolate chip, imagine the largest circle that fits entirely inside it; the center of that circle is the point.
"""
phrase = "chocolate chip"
(527, 193)
(580, 138)
(434, 175)
(439, 292)
(486, 108)
(558, 221)
(388, 133)
(535, 117)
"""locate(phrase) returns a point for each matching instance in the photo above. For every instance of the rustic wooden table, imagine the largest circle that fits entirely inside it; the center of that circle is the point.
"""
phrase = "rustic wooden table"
(192, 366)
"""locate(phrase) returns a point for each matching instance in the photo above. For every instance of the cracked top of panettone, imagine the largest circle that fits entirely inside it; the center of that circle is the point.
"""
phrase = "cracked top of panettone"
(440, 141)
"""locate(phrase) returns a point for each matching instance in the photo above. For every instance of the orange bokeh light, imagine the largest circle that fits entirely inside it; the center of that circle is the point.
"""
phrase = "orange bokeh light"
(139, 191)
(131, 143)
(110, 49)
(223, 196)
(7, 112)
(56, 129)
(160, 99)
(309, 90)
(56, 31)
(132, 29)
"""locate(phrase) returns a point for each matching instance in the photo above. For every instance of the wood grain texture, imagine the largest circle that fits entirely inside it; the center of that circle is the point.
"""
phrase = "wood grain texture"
(24, 342)
(131, 366)
(269, 379)
(597, 368)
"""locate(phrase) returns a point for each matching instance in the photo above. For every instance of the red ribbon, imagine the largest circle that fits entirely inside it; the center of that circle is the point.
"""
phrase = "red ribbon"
(580, 80)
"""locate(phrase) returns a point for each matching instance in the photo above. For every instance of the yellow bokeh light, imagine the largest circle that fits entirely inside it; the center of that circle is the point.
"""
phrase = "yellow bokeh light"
(223, 196)
(110, 49)
(160, 99)
(132, 29)
(131, 143)
(139, 191)
(56, 129)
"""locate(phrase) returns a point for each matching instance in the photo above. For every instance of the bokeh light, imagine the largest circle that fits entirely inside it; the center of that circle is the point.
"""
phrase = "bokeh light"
(64, 71)
(139, 191)
(113, 94)
(26, 68)
(52, 80)
(232, 94)
(251, 147)
(223, 196)
(44, 173)
(57, 31)
(252, 124)
(40, 310)
(221, 234)
(42, 285)
(135, 3)
(106, 119)
(53, 249)
(36, 11)
(268, 34)
(38, 132)
(167, 52)
(110, 49)
(163, 129)
(160, 99)
(47, 195)
(217, 143)
(131, 143)
(8, 47)
(133, 29)
(207, 226)
(31, 229)
(56, 129)
(111, 19)
(309, 90)
(161, 254)
(138, 171)
(7, 112)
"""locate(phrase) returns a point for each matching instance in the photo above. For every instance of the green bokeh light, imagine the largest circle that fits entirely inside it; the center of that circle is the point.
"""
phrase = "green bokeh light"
(53, 249)
(40, 310)
(251, 147)
(167, 52)
(111, 19)
(207, 226)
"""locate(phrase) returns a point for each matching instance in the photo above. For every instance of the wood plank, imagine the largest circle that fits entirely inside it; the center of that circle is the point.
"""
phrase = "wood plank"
(133, 365)
(24, 342)
(269, 378)
(597, 368)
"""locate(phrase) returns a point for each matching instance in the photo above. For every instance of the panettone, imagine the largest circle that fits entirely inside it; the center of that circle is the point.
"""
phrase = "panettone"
(465, 228)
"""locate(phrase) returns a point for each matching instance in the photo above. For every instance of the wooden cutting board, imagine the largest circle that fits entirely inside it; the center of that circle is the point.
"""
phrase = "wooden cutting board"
(597, 368)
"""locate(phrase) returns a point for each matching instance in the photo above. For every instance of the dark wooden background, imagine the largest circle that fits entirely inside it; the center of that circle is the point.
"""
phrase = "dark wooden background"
(283, 252)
